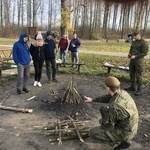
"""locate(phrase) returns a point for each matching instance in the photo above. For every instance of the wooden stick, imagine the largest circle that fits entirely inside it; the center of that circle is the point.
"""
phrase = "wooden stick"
(79, 136)
(68, 137)
(4, 99)
(16, 109)
(31, 98)
(60, 141)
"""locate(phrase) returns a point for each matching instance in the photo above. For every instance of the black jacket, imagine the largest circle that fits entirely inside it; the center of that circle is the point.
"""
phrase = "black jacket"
(37, 52)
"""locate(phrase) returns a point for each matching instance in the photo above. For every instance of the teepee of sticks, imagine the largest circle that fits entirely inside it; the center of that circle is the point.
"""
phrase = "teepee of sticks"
(72, 95)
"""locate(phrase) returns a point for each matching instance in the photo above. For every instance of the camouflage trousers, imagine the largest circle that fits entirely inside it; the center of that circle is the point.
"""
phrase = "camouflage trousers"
(104, 136)
(136, 70)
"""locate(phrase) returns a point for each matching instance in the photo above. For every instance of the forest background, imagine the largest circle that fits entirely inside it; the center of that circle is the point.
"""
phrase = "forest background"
(91, 19)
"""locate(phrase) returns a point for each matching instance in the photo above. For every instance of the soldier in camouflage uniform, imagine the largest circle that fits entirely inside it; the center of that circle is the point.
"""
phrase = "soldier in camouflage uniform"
(138, 50)
(119, 121)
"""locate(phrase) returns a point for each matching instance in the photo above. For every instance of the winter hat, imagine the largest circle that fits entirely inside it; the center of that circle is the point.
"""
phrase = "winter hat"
(49, 33)
(39, 36)
(112, 82)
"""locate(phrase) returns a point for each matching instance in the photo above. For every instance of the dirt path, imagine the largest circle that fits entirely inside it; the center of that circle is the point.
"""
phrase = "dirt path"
(108, 53)
(22, 131)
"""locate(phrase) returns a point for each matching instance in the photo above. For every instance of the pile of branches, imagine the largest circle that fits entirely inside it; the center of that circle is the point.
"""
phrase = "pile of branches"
(67, 129)
(72, 95)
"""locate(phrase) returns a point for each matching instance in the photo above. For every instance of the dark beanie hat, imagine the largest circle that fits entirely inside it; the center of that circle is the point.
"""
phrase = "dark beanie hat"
(49, 33)
(135, 33)
(112, 82)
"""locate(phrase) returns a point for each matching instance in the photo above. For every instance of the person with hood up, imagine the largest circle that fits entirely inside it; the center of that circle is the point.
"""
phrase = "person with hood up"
(21, 56)
(50, 47)
(37, 52)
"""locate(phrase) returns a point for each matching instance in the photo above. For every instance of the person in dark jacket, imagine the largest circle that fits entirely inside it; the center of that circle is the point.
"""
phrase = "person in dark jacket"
(21, 57)
(74, 45)
(63, 46)
(50, 47)
(37, 52)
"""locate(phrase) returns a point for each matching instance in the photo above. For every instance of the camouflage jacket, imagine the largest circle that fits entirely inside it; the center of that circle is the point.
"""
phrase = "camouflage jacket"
(121, 114)
(139, 48)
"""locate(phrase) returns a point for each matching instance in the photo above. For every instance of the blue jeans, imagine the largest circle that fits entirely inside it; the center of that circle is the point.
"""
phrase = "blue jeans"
(63, 55)
(23, 76)
(74, 57)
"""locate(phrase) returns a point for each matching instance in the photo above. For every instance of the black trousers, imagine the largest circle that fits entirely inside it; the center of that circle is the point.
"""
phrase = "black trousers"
(51, 61)
(38, 65)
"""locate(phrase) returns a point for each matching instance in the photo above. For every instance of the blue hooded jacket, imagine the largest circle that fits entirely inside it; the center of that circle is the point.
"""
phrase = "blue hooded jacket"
(20, 51)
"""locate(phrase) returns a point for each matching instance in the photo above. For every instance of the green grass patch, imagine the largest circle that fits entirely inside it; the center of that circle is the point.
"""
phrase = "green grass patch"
(94, 66)
(7, 41)
(112, 46)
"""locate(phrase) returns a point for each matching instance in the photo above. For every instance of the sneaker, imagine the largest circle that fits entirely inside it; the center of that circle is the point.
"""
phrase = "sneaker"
(19, 92)
(39, 84)
(130, 88)
(35, 83)
(123, 145)
(26, 91)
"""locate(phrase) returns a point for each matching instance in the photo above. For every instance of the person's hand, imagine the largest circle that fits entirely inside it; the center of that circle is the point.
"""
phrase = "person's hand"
(73, 45)
(87, 99)
(132, 57)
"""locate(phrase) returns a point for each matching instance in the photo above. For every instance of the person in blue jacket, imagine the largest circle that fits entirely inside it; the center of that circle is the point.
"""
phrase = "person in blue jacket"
(21, 56)
(50, 47)
(74, 45)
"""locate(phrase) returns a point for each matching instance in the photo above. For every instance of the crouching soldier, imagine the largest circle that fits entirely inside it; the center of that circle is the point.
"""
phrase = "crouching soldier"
(119, 121)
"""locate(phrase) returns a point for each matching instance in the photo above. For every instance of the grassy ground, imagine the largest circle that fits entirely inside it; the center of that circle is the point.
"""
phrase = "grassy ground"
(94, 66)
(111, 46)
(94, 62)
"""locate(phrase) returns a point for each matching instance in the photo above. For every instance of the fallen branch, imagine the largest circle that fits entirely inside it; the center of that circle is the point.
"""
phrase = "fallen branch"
(25, 110)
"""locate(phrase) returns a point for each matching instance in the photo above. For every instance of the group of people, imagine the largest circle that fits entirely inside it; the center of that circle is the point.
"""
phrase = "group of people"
(73, 46)
(119, 123)
(41, 50)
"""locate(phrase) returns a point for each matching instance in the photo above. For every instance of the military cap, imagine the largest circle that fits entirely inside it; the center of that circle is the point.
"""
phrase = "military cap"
(135, 33)
(112, 82)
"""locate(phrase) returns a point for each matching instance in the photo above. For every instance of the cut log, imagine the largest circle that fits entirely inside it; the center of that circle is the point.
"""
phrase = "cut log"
(25, 110)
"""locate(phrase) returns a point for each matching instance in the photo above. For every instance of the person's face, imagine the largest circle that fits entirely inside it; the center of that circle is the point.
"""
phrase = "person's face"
(75, 35)
(39, 40)
(64, 36)
(137, 37)
(25, 39)
(107, 89)
(49, 37)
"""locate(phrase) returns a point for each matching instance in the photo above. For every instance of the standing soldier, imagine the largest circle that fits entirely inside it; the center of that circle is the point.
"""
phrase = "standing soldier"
(138, 50)
(119, 121)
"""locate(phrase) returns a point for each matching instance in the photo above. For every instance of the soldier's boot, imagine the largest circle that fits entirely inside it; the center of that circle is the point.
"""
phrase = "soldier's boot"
(123, 145)
(138, 92)
(131, 88)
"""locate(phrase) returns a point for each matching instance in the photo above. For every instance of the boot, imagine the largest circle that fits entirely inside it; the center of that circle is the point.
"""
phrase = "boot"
(138, 92)
(131, 88)
(123, 145)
